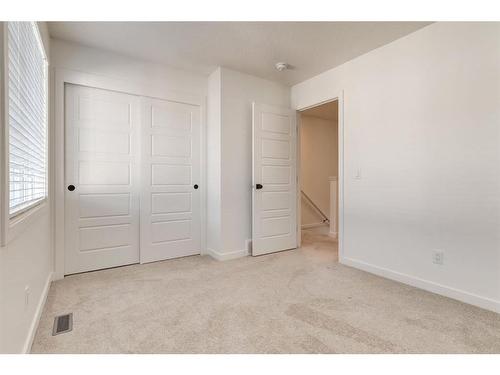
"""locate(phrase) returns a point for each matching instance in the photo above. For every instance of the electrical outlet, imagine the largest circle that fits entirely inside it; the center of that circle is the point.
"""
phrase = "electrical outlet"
(27, 292)
(438, 257)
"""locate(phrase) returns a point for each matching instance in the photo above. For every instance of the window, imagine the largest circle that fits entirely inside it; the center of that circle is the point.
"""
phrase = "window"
(27, 112)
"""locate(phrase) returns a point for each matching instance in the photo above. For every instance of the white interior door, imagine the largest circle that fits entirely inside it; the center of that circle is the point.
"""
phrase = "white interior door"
(170, 191)
(102, 210)
(274, 203)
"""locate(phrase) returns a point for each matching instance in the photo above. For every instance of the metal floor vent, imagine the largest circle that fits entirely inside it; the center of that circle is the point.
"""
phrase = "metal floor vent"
(62, 324)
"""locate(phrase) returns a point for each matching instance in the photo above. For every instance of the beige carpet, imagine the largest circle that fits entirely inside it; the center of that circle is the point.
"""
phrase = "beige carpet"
(299, 301)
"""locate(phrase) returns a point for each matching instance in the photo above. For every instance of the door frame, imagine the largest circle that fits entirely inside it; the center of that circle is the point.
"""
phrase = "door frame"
(340, 135)
(64, 76)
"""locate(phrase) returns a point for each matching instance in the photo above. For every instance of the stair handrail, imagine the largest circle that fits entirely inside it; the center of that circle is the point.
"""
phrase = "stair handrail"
(310, 201)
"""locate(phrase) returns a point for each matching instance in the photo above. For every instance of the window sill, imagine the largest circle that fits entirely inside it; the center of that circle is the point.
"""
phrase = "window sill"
(18, 215)
(22, 220)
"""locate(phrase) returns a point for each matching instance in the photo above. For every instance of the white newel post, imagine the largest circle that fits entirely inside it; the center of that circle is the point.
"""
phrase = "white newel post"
(333, 206)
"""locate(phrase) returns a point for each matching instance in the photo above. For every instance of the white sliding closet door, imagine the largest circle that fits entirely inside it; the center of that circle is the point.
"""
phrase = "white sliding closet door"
(101, 173)
(170, 178)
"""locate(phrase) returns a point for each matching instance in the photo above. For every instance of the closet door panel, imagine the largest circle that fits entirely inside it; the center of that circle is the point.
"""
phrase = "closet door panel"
(102, 182)
(170, 169)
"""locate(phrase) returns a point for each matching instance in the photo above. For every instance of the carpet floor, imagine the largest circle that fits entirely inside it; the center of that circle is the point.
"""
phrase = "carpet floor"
(297, 301)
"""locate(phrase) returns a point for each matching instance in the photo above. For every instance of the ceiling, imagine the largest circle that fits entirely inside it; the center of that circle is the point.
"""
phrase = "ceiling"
(328, 111)
(249, 47)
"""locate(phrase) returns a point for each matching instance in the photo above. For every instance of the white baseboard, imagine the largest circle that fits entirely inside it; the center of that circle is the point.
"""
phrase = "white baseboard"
(312, 225)
(38, 314)
(227, 256)
(248, 246)
(460, 295)
(57, 276)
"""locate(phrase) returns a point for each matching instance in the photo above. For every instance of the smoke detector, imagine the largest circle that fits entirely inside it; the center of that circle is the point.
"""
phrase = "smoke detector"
(281, 66)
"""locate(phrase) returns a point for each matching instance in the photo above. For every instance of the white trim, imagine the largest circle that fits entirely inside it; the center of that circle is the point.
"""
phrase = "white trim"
(21, 222)
(203, 176)
(340, 142)
(312, 225)
(63, 76)
(227, 256)
(334, 195)
(340, 174)
(25, 210)
(38, 314)
(248, 245)
(299, 181)
(39, 38)
(457, 294)
(4, 120)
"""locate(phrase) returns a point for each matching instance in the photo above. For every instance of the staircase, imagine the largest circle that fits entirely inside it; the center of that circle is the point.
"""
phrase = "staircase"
(333, 230)
(325, 219)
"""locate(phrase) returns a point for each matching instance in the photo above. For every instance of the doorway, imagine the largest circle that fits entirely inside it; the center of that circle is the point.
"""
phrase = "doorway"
(318, 171)
(277, 193)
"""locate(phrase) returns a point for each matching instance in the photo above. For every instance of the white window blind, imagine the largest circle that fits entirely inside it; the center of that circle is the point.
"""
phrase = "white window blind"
(27, 109)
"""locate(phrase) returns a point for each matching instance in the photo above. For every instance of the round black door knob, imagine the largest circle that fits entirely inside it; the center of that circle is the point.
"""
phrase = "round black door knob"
(71, 187)
(258, 186)
(196, 186)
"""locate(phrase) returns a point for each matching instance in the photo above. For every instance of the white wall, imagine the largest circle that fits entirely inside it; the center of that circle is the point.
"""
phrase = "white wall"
(422, 118)
(214, 177)
(111, 65)
(25, 261)
(238, 91)
(318, 162)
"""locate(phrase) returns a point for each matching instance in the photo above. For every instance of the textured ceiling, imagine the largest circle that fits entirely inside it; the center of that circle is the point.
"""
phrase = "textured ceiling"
(249, 47)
